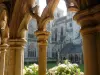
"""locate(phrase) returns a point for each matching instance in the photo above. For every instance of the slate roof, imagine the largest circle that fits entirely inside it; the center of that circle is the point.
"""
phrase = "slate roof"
(72, 48)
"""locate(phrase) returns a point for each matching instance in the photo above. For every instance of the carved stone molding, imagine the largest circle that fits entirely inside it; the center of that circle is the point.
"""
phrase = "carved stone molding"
(42, 37)
(3, 47)
(3, 24)
(46, 15)
(88, 19)
(16, 43)
(20, 18)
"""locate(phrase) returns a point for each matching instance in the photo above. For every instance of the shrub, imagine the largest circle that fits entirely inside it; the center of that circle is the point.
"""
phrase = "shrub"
(31, 70)
(65, 68)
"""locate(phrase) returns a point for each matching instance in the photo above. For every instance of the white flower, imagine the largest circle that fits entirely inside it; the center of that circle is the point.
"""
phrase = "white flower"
(62, 65)
(24, 71)
(35, 65)
(75, 65)
(70, 65)
(30, 70)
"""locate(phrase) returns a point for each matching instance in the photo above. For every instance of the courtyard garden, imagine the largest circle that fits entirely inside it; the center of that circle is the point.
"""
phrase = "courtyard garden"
(65, 68)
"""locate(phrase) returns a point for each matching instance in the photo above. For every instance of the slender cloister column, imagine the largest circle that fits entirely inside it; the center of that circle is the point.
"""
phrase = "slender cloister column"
(42, 33)
(98, 38)
(98, 44)
(17, 48)
(42, 37)
(89, 20)
(2, 58)
(6, 61)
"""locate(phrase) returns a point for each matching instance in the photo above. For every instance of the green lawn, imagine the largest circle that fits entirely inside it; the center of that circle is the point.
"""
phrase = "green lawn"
(50, 65)
(81, 67)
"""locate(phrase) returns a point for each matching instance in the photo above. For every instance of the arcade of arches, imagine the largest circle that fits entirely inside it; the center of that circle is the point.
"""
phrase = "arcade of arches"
(14, 18)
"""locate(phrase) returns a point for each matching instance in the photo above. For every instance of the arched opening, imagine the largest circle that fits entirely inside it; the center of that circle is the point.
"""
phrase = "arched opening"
(63, 31)
(87, 16)
(76, 58)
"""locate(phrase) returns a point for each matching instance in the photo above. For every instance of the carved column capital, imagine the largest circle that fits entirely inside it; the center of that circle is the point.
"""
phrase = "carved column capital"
(17, 43)
(42, 37)
(3, 48)
(89, 20)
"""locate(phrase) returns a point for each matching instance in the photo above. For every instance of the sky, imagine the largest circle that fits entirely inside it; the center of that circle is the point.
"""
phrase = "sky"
(61, 5)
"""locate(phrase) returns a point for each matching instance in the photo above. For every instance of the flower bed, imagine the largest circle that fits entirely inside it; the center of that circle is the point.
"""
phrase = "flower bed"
(65, 68)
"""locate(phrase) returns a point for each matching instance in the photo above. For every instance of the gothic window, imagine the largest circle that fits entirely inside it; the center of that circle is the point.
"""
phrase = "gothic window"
(31, 50)
(71, 58)
(76, 58)
(48, 53)
(52, 38)
(70, 24)
(54, 54)
(61, 31)
(56, 34)
(32, 53)
(61, 35)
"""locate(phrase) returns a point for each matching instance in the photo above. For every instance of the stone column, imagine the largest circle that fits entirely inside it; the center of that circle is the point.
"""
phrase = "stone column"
(17, 61)
(98, 42)
(6, 61)
(90, 53)
(88, 21)
(42, 37)
(2, 58)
